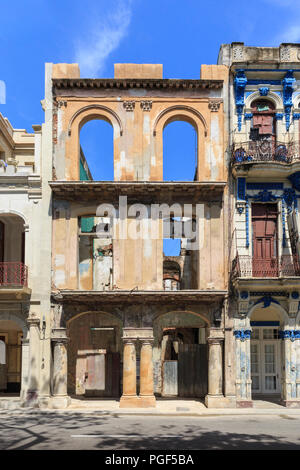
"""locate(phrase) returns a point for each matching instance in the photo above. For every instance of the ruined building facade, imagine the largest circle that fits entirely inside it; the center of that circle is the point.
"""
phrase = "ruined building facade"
(103, 311)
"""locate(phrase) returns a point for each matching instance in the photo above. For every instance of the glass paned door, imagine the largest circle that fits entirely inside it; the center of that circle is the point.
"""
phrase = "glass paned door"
(265, 360)
(270, 367)
(255, 366)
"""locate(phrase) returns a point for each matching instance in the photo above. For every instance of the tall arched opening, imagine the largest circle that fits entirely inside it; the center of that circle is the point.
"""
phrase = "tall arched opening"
(180, 355)
(94, 355)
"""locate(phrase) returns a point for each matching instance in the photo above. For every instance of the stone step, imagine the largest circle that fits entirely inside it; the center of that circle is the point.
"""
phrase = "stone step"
(10, 404)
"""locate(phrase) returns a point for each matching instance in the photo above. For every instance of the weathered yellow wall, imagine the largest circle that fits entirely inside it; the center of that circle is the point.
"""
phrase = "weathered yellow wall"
(138, 156)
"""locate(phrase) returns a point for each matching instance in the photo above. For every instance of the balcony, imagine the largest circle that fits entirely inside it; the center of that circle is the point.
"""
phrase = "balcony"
(248, 267)
(13, 275)
(262, 151)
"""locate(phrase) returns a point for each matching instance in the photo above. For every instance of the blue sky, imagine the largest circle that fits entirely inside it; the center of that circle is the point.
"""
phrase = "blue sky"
(179, 34)
(96, 33)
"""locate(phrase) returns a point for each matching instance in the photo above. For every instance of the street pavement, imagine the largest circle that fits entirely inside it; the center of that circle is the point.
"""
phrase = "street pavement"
(72, 430)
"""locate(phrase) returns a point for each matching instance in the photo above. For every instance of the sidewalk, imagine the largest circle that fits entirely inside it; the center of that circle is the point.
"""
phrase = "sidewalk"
(164, 407)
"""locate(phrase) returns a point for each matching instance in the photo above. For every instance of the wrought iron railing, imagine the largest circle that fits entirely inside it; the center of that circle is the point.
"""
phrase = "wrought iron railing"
(14, 274)
(247, 266)
(264, 151)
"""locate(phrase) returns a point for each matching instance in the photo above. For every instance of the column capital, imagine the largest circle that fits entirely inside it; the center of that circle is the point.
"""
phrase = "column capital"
(146, 341)
(216, 335)
(59, 335)
(129, 340)
(33, 320)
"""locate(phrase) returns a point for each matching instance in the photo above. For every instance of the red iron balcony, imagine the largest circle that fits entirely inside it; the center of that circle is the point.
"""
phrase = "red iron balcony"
(13, 274)
(258, 151)
(247, 266)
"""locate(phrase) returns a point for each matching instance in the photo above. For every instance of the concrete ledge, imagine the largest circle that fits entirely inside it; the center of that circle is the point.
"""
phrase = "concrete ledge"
(244, 404)
(219, 401)
(137, 402)
(291, 403)
(59, 402)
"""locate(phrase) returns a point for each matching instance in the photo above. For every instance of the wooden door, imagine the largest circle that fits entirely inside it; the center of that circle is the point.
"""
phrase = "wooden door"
(264, 229)
(192, 370)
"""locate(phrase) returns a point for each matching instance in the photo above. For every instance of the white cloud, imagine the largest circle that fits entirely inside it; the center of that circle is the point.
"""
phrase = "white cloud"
(101, 39)
(290, 30)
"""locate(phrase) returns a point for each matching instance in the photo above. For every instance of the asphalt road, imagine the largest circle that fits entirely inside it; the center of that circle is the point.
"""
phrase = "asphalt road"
(83, 431)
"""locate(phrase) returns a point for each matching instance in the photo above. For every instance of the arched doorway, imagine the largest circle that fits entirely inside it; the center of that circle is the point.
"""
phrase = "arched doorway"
(266, 352)
(94, 355)
(180, 355)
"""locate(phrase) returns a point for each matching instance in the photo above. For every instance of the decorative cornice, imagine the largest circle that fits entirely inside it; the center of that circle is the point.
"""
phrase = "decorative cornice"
(109, 191)
(127, 83)
(175, 297)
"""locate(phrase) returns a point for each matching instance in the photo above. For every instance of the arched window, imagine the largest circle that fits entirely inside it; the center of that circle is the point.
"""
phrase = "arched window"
(171, 275)
(96, 151)
(179, 151)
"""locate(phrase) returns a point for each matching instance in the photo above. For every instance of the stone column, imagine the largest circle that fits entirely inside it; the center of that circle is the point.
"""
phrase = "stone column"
(146, 373)
(60, 397)
(34, 356)
(215, 397)
(243, 367)
(25, 369)
(289, 396)
(129, 397)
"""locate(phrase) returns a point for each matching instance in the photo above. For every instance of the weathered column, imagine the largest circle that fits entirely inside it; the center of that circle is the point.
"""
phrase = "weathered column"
(25, 369)
(215, 397)
(289, 396)
(34, 359)
(60, 397)
(129, 397)
(243, 368)
(146, 373)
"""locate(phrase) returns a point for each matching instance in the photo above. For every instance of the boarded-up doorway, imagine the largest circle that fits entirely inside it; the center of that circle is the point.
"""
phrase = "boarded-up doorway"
(94, 356)
(185, 364)
(192, 370)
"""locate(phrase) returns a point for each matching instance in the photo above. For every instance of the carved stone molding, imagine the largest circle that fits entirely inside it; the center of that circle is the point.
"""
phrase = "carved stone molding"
(60, 104)
(129, 105)
(214, 105)
(146, 105)
(238, 52)
(285, 54)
